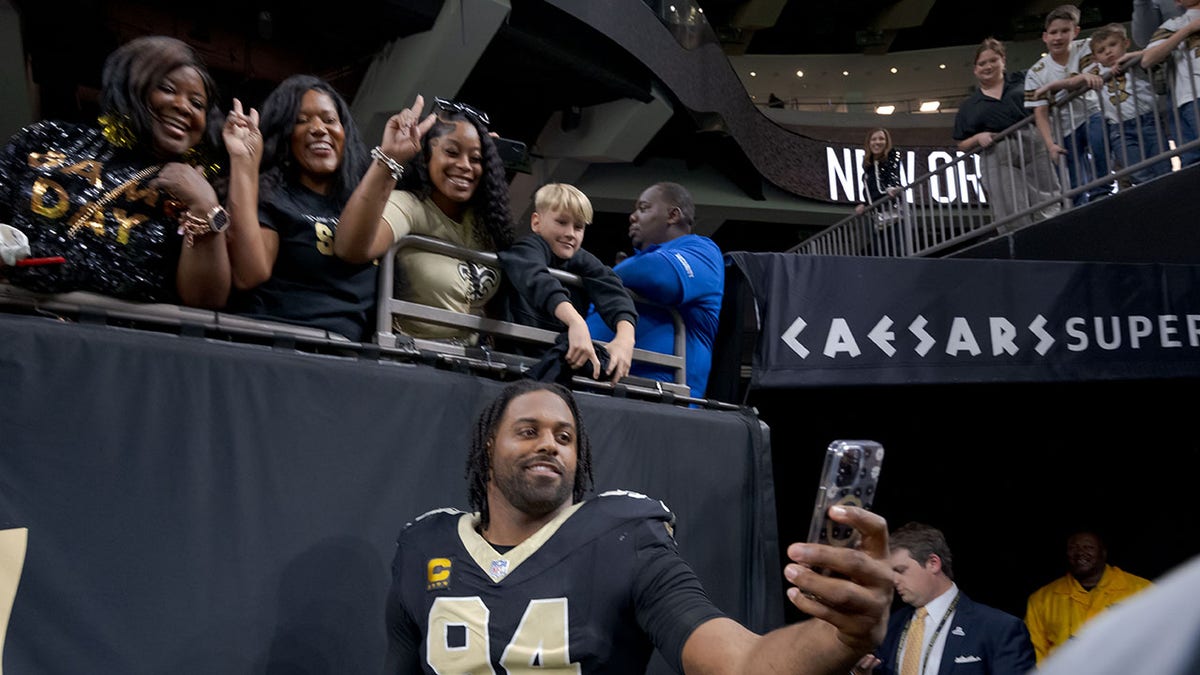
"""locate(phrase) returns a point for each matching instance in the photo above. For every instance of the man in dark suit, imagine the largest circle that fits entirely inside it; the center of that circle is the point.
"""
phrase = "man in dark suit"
(942, 631)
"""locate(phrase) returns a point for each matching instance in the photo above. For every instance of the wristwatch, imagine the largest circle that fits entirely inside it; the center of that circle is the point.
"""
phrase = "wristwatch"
(218, 219)
(192, 226)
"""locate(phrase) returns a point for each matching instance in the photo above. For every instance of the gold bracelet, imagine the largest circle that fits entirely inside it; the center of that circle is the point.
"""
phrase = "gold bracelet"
(192, 226)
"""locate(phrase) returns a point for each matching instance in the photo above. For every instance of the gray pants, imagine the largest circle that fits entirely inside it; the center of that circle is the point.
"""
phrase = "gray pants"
(1018, 175)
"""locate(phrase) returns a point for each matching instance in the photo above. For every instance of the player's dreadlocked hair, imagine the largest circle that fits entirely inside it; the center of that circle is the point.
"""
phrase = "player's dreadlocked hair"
(479, 461)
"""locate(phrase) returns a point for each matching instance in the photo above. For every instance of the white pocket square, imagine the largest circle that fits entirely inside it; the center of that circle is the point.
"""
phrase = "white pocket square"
(958, 631)
(966, 659)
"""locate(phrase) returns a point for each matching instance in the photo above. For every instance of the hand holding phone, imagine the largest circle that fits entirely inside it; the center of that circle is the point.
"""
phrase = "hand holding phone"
(849, 478)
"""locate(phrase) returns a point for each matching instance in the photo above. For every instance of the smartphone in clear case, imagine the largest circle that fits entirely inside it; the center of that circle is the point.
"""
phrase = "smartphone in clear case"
(850, 478)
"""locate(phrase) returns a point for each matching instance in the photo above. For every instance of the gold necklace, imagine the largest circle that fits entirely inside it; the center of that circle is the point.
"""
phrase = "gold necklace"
(85, 215)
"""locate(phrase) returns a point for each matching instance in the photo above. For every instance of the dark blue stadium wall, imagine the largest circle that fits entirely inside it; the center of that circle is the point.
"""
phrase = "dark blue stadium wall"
(197, 506)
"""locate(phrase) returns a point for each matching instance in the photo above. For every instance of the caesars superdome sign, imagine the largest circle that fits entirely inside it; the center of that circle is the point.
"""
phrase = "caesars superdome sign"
(838, 320)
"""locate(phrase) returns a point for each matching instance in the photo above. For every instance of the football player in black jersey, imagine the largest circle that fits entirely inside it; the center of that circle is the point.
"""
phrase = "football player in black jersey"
(541, 579)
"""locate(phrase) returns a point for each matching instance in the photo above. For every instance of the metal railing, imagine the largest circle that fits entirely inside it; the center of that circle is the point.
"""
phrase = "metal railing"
(94, 307)
(389, 306)
(87, 307)
(1013, 184)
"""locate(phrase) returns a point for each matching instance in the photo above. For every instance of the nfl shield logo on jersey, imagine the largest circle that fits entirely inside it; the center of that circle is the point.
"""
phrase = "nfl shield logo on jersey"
(499, 569)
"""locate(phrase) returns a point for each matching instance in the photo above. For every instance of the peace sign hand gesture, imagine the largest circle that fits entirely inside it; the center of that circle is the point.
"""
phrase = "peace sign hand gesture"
(404, 131)
(242, 137)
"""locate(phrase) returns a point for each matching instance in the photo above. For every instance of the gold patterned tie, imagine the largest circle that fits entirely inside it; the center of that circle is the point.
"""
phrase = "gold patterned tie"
(913, 642)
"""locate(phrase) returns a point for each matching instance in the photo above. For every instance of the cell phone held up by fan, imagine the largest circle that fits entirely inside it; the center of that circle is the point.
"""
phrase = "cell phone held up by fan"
(849, 478)
(514, 154)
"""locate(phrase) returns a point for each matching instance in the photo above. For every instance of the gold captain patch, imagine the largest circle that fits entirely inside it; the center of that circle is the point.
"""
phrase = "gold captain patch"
(437, 574)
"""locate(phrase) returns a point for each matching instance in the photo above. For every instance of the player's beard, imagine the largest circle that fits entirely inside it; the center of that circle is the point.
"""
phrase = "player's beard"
(533, 495)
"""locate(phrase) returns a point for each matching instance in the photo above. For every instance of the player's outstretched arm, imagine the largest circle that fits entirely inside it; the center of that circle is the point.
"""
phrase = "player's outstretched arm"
(849, 614)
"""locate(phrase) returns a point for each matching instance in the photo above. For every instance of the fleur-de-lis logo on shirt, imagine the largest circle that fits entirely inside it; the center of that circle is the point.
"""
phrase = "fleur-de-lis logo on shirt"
(1116, 90)
(480, 279)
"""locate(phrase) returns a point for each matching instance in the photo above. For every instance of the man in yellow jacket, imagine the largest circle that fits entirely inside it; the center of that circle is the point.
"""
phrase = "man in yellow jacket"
(1057, 610)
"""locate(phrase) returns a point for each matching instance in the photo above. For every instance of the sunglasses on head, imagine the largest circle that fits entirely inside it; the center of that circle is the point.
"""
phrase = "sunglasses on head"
(454, 106)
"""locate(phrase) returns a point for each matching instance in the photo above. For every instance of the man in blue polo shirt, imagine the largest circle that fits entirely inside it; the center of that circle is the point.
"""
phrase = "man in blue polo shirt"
(672, 267)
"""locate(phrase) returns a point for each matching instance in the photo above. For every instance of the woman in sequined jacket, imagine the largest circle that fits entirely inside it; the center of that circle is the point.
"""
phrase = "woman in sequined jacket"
(123, 207)
(881, 168)
(884, 231)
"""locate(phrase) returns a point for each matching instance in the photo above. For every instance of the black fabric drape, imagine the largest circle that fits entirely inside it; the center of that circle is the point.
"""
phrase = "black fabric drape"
(197, 506)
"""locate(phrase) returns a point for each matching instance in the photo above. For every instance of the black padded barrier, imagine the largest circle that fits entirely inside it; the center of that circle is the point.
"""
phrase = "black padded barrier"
(199, 506)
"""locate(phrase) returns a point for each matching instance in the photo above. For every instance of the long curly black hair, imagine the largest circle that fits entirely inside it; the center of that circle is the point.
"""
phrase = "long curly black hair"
(278, 120)
(479, 460)
(133, 70)
(490, 200)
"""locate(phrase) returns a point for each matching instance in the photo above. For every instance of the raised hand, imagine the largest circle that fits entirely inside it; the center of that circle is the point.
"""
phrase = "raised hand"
(403, 133)
(242, 138)
(857, 603)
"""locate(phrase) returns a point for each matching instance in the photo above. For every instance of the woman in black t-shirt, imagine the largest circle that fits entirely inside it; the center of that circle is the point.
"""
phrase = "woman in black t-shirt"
(1016, 169)
(284, 221)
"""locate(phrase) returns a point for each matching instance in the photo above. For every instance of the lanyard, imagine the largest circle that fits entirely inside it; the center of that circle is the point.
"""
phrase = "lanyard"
(937, 631)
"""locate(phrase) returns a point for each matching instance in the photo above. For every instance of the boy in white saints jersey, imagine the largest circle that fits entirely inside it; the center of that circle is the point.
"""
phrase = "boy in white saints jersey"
(1166, 41)
(1079, 125)
(1129, 102)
